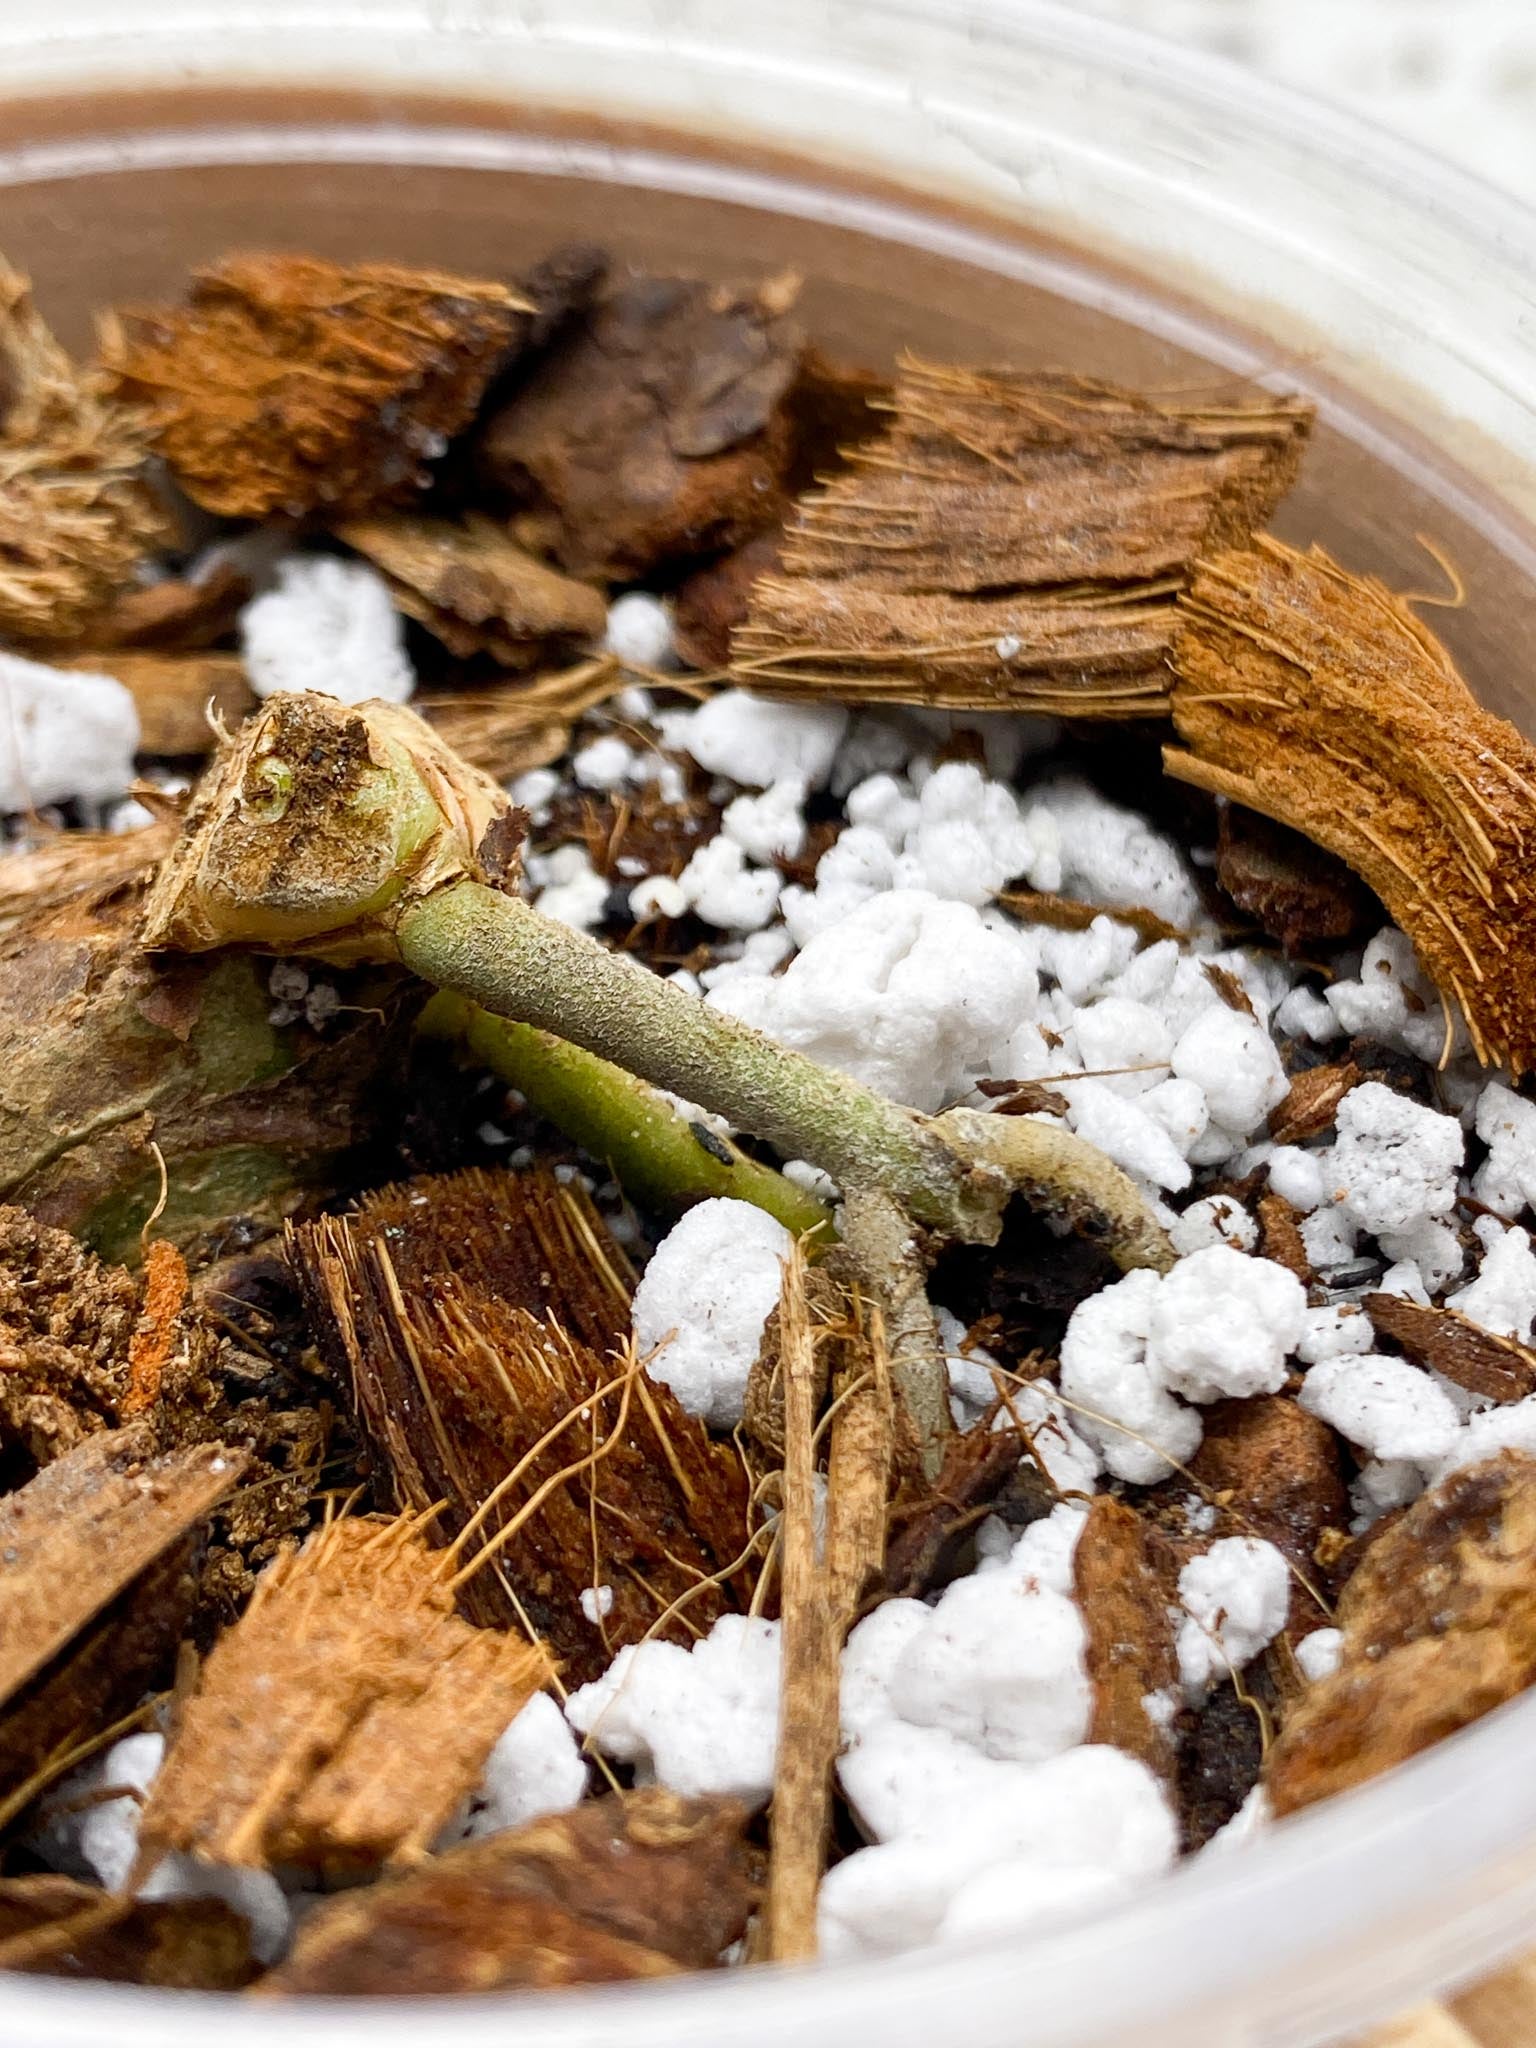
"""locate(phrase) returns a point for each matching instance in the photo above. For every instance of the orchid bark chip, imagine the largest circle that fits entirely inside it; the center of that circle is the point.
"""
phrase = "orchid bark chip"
(352, 833)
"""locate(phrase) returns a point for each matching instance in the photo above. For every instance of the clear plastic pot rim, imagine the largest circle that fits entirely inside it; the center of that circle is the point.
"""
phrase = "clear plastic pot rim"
(1414, 284)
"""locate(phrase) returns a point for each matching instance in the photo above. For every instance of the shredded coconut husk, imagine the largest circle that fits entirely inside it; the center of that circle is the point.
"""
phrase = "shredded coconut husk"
(344, 1717)
(475, 1316)
(77, 517)
(1014, 539)
(1320, 699)
(288, 383)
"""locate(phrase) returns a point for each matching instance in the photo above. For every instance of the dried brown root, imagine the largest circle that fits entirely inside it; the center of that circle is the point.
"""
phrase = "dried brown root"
(659, 431)
(885, 1252)
(1014, 538)
(474, 588)
(475, 1317)
(55, 1927)
(820, 1597)
(77, 517)
(1319, 699)
(1439, 1621)
(345, 1716)
(288, 383)
(181, 699)
(642, 1884)
(1444, 1341)
(811, 1647)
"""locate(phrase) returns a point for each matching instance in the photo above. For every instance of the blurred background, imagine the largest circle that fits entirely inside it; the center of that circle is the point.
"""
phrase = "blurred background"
(1457, 75)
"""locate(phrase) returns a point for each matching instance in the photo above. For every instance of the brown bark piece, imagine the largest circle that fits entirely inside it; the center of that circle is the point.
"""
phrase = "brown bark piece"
(642, 1884)
(176, 695)
(106, 1671)
(175, 614)
(658, 431)
(65, 1325)
(1276, 1472)
(1044, 479)
(1321, 700)
(475, 1316)
(1280, 1236)
(1447, 1342)
(930, 1524)
(83, 1530)
(474, 588)
(77, 517)
(1439, 1622)
(55, 1927)
(286, 384)
(715, 600)
(344, 1717)
(1123, 1590)
(1014, 538)
(1311, 1102)
(1293, 889)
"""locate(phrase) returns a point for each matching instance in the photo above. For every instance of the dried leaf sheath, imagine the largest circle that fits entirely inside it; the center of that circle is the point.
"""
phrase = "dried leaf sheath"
(1015, 538)
(1319, 699)
(345, 1716)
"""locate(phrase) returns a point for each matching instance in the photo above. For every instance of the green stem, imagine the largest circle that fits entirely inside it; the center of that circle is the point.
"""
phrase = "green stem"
(504, 956)
(651, 1149)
